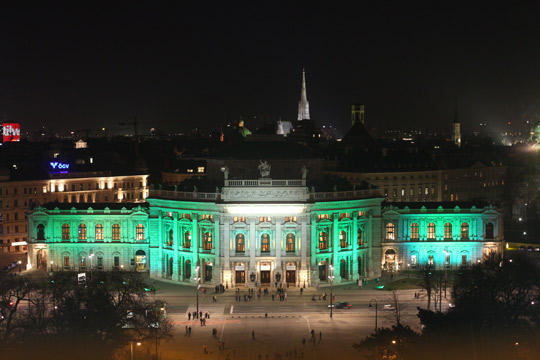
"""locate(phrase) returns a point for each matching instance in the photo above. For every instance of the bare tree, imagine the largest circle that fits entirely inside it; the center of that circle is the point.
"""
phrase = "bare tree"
(426, 281)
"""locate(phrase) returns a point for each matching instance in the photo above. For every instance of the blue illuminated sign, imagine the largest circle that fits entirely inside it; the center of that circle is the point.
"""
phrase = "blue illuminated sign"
(59, 167)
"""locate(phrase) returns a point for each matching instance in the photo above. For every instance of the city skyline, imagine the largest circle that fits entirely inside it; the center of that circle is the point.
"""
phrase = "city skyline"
(177, 68)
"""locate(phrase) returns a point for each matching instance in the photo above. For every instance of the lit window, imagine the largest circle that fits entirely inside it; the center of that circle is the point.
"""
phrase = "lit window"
(290, 242)
(207, 244)
(448, 231)
(323, 240)
(240, 243)
(431, 231)
(200, 169)
(265, 243)
(187, 239)
(464, 231)
(189, 170)
(390, 231)
(99, 232)
(82, 232)
(116, 232)
(414, 231)
(402, 191)
(65, 232)
(343, 239)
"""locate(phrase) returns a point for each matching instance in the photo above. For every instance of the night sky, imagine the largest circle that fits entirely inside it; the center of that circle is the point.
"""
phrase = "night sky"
(203, 65)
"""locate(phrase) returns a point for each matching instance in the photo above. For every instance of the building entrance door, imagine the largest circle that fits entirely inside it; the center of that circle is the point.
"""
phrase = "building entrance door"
(265, 277)
(240, 277)
(291, 277)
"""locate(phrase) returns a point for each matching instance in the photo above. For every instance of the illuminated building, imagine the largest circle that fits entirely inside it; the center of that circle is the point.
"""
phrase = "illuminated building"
(262, 232)
(23, 188)
(446, 235)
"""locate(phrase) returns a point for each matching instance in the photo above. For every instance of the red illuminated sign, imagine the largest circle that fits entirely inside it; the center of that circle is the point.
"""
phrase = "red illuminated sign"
(12, 132)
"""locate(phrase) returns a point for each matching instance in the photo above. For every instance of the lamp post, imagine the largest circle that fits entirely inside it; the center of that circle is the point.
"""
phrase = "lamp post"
(331, 278)
(408, 271)
(19, 262)
(197, 279)
(131, 347)
(52, 269)
(91, 256)
(376, 315)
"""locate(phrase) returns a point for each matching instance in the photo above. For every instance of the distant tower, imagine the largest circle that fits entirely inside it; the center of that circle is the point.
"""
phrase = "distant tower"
(303, 104)
(456, 129)
(357, 114)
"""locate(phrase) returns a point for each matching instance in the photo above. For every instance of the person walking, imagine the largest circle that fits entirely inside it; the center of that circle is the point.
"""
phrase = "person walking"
(189, 316)
(303, 342)
(189, 331)
(312, 334)
(186, 331)
(253, 334)
(320, 336)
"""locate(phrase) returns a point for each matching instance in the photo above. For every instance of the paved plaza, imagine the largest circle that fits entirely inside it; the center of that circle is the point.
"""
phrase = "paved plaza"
(279, 326)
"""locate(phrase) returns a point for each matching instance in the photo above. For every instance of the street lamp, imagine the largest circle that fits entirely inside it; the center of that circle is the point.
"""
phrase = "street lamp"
(331, 278)
(376, 315)
(20, 262)
(52, 269)
(131, 347)
(197, 279)
(91, 263)
(408, 271)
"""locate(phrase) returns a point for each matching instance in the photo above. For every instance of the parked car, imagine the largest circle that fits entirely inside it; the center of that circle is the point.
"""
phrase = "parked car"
(389, 307)
(341, 305)
(530, 248)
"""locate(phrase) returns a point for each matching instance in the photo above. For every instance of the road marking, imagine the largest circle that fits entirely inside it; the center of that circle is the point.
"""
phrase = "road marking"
(232, 308)
(308, 326)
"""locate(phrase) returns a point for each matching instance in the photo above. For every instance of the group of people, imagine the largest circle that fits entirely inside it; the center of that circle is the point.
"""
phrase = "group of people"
(200, 315)
(219, 289)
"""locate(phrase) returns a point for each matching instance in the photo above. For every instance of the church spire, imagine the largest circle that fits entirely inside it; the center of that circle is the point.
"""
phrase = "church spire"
(456, 129)
(303, 104)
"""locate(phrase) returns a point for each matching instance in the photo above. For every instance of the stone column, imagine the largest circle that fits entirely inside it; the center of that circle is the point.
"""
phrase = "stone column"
(314, 243)
(216, 271)
(252, 249)
(194, 246)
(160, 242)
(354, 239)
(176, 270)
(278, 245)
(371, 242)
(304, 243)
(335, 247)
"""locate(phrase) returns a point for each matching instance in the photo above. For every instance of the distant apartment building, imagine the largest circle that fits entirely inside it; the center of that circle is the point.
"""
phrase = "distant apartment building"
(475, 182)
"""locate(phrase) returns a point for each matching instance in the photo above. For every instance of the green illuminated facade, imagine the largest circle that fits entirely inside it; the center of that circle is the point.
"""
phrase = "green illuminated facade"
(261, 232)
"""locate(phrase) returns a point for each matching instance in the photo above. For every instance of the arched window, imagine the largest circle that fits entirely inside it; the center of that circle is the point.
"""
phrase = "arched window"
(82, 232)
(489, 231)
(116, 232)
(65, 232)
(414, 231)
(41, 232)
(99, 232)
(139, 230)
(431, 231)
(170, 238)
(240, 243)
(464, 231)
(323, 240)
(207, 244)
(343, 239)
(265, 243)
(448, 231)
(187, 239)
(360, 237)
(290, 242)
(390, 231)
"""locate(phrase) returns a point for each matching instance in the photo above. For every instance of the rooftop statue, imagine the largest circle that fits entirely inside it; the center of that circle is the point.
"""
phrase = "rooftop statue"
(264, 168)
